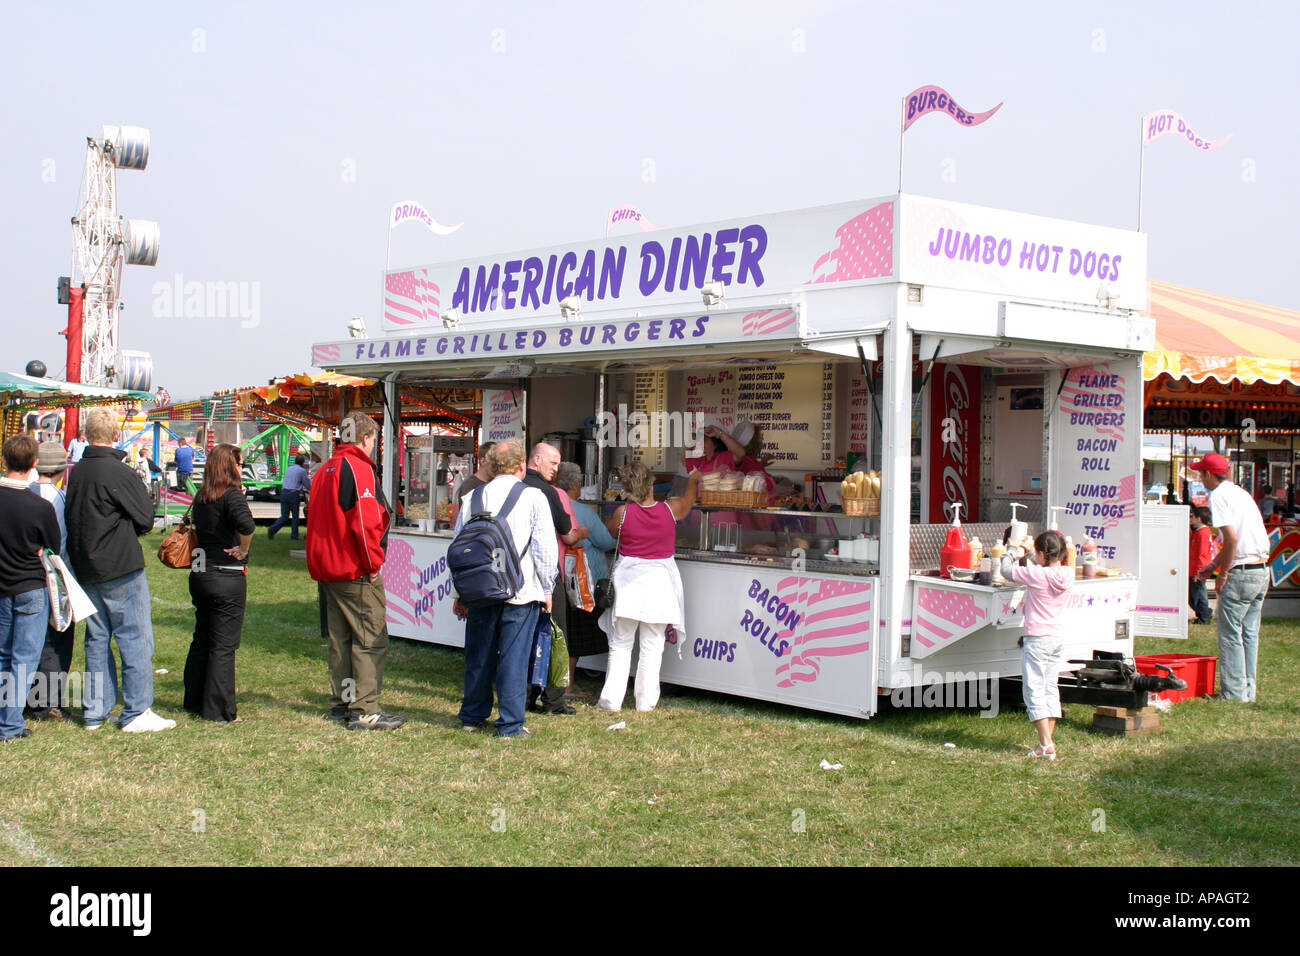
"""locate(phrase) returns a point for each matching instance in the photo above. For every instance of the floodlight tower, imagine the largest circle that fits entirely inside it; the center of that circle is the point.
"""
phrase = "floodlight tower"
(102, 243)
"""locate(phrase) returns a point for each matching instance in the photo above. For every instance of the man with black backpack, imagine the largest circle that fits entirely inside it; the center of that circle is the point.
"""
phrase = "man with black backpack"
(503, 563)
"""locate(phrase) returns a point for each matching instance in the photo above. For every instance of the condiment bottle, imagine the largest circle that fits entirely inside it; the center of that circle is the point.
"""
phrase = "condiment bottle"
(985, 576)
(1018, 528)
(1089, 558)
(998, 553)
(1070, 554)
(976, 549)
(955, 552)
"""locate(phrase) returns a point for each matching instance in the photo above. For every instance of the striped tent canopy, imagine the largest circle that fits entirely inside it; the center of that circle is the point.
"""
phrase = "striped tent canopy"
(1202, 335)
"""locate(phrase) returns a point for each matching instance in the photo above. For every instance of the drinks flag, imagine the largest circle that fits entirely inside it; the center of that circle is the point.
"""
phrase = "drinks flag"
(406, 211)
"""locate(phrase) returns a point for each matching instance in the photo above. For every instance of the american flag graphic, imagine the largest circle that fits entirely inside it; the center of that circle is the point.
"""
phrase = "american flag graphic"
(410, 298)
(401, 581)
(835, 622)
(767, 322)
(942, 615)
(865, 250)
(324, 353)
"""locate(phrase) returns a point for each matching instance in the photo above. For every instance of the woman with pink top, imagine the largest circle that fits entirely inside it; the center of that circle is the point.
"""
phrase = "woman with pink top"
(1048, 585)
(647, 587)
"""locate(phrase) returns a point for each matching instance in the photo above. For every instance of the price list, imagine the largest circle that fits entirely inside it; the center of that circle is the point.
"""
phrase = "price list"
(650, 398)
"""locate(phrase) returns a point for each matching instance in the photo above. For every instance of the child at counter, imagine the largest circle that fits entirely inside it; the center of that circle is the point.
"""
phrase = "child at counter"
(1048, 585)
(1200, 553)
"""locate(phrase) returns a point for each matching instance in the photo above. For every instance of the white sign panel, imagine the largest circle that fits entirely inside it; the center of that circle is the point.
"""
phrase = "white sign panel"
(417, 588)
(758, 254)
(958, 246)
(773, 634)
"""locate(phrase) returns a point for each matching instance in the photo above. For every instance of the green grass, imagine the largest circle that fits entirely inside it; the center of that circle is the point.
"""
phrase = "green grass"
(706, 779)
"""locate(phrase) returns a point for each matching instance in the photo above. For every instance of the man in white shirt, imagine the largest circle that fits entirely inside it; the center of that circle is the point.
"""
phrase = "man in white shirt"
(1243, 581)
(499, 637)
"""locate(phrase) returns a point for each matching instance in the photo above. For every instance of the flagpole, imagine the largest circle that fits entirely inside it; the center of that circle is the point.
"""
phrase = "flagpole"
(902, 118)
(388, 245)
(1142, 155)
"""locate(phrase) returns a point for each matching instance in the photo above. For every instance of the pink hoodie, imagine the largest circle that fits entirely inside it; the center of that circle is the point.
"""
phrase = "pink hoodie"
(1047, 596)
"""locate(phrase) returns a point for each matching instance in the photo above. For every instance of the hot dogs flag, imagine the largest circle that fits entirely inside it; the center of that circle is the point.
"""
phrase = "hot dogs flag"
(1161, 122)
(934, 99)
(406, 211)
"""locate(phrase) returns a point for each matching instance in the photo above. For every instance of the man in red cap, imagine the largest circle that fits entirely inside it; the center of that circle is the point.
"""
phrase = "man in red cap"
(1243, 580)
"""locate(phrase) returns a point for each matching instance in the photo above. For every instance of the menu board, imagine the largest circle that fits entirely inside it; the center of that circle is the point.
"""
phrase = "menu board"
(713, 395)
(650, 398)
(794, 406)
(1099, 419)
(859, 410)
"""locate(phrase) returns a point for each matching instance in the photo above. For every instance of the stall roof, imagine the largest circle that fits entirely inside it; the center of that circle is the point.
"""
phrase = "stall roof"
(1202, 335)
(20, 388)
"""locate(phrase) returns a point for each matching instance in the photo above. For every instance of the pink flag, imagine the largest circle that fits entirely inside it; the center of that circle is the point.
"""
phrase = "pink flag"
(930, 99)
(406, 211)
(1157, 124)
(619, 214)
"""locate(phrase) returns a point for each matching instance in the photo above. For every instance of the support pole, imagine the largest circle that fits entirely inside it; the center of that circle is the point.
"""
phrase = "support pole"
(1142, 155)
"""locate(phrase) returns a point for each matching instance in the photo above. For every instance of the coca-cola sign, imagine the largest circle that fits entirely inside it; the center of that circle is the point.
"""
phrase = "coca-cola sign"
(953, 473)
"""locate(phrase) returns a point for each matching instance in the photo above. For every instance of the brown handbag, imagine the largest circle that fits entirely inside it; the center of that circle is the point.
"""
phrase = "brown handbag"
(177, 549)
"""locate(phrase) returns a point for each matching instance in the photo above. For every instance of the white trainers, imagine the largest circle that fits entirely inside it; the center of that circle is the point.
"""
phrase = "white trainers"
(147, 721)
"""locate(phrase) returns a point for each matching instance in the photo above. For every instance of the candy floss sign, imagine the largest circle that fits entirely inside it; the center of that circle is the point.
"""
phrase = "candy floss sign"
(503, 414)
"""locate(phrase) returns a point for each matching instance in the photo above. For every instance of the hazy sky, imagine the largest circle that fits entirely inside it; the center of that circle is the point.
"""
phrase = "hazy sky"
(282, 132)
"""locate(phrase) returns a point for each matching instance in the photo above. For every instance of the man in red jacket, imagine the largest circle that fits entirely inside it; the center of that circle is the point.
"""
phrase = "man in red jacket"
(347, 538)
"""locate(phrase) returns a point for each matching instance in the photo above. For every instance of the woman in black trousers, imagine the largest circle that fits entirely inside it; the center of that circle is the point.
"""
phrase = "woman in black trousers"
(218, 586)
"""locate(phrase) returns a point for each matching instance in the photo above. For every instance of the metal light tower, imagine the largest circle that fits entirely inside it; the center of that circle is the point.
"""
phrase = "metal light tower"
(103, 242)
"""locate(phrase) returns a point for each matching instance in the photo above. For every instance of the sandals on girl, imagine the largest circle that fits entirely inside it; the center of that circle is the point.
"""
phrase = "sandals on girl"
(1040, 751)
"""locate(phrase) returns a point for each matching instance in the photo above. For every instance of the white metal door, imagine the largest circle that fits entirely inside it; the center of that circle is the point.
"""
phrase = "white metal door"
(1162, 585)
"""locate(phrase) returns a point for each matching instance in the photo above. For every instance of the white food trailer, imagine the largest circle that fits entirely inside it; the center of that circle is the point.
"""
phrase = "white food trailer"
(970, 354)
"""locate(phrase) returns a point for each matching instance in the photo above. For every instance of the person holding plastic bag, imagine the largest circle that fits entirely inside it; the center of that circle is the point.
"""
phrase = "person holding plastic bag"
(28, 526)
(585, 565)
(47, 698)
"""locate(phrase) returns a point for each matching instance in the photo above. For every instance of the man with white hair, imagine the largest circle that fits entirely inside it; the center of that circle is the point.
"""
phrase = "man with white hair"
(107, 509)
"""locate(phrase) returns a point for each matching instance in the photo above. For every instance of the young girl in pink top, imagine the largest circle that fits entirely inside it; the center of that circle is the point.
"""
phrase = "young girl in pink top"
(1048, 586)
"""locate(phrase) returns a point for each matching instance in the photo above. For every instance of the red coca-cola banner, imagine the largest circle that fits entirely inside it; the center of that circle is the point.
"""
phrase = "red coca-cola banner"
(954, 467)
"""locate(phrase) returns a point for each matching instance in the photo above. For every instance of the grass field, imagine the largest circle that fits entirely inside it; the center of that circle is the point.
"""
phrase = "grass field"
(704, 780)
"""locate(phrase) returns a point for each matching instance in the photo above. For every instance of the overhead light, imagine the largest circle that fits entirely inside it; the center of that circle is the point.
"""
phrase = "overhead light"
(357, 328)
(713, 292)
(1106, 296)
(570, 307)
(451, 319)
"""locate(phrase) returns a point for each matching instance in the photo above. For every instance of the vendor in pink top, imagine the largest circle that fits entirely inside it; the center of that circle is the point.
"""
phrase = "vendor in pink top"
(1047, 596)
(725, 451)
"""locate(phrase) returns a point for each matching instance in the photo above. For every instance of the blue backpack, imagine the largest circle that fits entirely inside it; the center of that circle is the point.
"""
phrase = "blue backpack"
(484, 566)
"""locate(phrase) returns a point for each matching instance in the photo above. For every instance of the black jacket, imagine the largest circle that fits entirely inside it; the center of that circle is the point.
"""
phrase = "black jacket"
(108, 506)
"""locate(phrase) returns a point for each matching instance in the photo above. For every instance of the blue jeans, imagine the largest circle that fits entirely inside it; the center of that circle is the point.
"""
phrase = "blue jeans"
(1241, 599)
(288, 510)
(23, 618)
(498, 644)
(123, 614)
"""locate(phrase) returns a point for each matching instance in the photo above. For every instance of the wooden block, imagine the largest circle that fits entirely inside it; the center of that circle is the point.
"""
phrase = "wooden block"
(1123, 711)
(1130, 725)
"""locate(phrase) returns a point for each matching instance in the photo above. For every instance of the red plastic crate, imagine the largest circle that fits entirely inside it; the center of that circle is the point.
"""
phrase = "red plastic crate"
(1195, 669)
